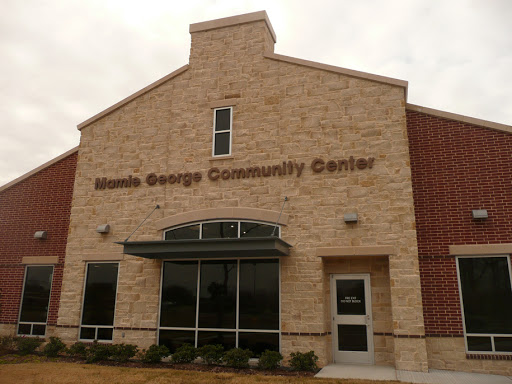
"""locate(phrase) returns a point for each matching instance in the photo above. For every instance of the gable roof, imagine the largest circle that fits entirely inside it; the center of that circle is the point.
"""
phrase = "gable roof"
(459, 118)
(38, 169)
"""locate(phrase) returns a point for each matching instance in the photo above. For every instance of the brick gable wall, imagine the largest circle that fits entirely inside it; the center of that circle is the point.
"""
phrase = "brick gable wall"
(456, 167)
(40, 202)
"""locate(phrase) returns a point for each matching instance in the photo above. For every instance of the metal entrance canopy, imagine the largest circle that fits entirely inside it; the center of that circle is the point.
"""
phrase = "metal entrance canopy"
(207, 248)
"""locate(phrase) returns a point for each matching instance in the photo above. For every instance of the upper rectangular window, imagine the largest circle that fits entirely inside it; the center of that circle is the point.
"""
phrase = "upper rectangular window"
(99, 301)
(486, 294)
(35, 301)
(222, 123)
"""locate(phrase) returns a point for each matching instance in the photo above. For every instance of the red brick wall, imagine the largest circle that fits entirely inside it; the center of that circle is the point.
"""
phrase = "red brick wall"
(40, 202)
(456, 167)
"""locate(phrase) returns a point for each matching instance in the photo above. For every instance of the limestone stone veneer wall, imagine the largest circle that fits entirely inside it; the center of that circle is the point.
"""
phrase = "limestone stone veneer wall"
(283, 110)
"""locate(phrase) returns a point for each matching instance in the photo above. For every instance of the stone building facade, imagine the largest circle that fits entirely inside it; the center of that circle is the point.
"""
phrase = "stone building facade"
(278, 197)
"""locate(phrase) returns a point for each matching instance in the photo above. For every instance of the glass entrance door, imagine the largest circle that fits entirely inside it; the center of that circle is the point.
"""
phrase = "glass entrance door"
(352, 330)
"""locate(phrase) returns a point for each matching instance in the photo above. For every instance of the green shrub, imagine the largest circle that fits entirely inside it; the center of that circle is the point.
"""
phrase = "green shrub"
(237, 358)
(8, 343)
(54, 347)
(27, 345)
(98, 352)
(211, 354)
(123, 352)
(78, 349)
(154, 354)
(184, 354)
(304, 361)
(270, 360)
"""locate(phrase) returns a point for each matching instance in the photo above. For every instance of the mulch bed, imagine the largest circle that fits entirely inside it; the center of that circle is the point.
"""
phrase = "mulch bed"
(10, 358)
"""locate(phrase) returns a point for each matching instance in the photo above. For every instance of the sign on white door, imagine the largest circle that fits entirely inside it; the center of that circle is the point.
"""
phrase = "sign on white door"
(352, 329)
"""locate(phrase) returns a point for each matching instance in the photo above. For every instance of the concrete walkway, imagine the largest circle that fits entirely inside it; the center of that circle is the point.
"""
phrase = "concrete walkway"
(434, 376)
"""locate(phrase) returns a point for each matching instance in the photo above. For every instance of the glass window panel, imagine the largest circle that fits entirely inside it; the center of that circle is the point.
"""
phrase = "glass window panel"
(222, 143)
(179, 294)
(350, 297)
(223, 230)
(477, 343)
(87, 333)
(38, 329)
(217, 297)
(223, 119)
(173, 339)
(226, 339)
(259, 294)
(486, 294)
(24, 329)
(257, 230)
(100, 294)
(352, 337)
(36, 294)
(105, 333)
(184, 233)
(503, 344)
(258, 342)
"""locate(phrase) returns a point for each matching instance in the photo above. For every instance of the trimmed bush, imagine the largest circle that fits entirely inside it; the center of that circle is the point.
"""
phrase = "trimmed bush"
(184, 354)
(8, 343)
(54, 347)
(98, 352)
(78, 349)
(27, 345)
(237, 358)
(304, 361)
(270, 360)
(211, 353)
(154, 354)
(123, 352)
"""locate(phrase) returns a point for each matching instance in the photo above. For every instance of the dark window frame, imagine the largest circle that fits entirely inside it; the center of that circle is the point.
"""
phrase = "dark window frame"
(224, 131)
(481, 336)
(97, 328)
(31, 323)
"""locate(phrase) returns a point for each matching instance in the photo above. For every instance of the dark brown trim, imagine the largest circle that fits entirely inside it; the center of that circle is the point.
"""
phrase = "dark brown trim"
(305, 333)
(9, 322)
(135, 329)
(382, 334)
(67, 326)
(488, 357)
(409, 336)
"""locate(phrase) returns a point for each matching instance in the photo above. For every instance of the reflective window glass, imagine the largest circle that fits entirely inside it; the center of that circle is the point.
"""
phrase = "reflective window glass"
(486, 294)
(503, 344)
(223, 119)
(226, 339)
(477, 343)
(217, 300)
(222, 143)
(352, 337)
(259, 294)
(184, 233)
(179, 294)
(220, 230)
(350, 297)
(100, 294)
(173, 339)
(36, 294)
(258, 342)
(257, 230)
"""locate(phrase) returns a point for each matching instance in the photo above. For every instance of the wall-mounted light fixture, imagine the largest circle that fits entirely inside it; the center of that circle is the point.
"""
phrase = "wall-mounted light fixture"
(479, 214)
(40, 235)
(103, 228)
(350, 217)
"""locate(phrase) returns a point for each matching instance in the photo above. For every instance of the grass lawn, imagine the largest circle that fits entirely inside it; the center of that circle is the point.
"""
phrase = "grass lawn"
(60, 373)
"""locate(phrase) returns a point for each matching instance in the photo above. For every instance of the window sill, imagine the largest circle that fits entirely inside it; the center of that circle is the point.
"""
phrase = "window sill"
(228, 157)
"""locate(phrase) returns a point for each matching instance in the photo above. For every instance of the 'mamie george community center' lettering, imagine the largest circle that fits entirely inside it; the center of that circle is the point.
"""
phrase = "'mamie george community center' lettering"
(285, 168)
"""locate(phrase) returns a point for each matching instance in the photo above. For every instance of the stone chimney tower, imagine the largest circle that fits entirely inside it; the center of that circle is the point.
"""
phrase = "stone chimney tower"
(225, 44)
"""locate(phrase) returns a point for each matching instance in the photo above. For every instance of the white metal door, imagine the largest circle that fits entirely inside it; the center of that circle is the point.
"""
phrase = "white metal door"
(352, 330)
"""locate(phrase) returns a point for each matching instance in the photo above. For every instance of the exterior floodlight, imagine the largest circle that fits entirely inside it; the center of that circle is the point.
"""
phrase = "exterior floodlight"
(479, 214)
(104, 228)
(350, 217)
(40, 235)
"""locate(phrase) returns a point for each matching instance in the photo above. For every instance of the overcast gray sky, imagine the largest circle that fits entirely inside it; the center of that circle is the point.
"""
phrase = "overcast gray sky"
(63, 61)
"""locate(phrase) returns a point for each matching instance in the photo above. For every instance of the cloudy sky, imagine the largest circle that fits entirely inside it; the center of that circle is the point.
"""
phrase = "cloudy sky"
(64, 61)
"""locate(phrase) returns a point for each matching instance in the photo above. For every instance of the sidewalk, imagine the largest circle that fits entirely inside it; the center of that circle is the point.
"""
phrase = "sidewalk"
(434, 376)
